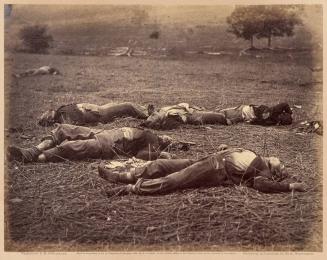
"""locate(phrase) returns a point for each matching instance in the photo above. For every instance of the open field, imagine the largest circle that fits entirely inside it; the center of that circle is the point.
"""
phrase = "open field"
(61, 206)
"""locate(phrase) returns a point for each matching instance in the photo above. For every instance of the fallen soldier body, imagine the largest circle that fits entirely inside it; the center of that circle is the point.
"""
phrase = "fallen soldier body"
(88, 114)
(228, 166)
(78, 143)
(171, 116)
(44, 70)
(280, 114)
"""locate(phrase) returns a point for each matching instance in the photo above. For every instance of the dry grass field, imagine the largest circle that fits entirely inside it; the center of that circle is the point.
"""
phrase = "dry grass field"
(61, 206)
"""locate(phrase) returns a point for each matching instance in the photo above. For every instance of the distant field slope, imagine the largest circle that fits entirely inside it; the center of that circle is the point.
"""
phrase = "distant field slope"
(191, 27)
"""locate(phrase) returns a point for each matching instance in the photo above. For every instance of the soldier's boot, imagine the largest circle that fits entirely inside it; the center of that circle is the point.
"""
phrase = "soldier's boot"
(22, 154)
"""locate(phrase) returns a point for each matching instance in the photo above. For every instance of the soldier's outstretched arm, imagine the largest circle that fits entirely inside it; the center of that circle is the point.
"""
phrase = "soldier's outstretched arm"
(268, 186)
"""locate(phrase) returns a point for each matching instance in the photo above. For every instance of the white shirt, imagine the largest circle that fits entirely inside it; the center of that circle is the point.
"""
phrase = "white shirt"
(181, 110)
(248, 113)
(241, 160)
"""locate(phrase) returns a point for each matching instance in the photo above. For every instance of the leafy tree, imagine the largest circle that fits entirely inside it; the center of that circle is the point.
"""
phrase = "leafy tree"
(36, 38)
(263, 21)
(243, 22)
(278, 21)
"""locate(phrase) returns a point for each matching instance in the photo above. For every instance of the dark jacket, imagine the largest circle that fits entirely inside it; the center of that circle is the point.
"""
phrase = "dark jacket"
(280, 114)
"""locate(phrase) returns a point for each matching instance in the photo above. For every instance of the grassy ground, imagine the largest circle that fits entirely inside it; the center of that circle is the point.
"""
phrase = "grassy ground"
(61, 206)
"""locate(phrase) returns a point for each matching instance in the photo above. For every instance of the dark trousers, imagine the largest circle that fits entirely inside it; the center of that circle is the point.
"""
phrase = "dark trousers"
(73, 143)
(199, 118)
(110, 112)
(163, 176)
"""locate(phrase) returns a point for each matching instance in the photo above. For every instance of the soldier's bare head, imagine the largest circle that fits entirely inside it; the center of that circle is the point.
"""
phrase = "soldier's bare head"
(222, 147)
(165, 140)
(277, 168)
(47, 118)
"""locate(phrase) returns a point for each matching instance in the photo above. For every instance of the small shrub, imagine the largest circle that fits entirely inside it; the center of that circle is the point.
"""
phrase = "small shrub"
(154, 35)
(36, 38)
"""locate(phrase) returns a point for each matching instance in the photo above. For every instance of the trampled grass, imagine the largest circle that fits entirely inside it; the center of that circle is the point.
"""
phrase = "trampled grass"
(62, 207)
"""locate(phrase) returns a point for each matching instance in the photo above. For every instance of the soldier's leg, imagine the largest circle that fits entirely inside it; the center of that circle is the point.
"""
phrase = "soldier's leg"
(212, 118)
(208, 171)
(73, 150)
(60, 134)
(70, 132)
(137, 110)
(111, 111)
(65, 132)
(28, 72)
(160, 168)
(151, 170)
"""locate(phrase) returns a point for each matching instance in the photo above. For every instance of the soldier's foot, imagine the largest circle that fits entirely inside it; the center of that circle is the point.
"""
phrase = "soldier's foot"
(20, 154)
(108, 174)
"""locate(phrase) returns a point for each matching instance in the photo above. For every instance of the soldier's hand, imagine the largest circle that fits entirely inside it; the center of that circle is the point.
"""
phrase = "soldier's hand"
(165, 155)
(296, 186)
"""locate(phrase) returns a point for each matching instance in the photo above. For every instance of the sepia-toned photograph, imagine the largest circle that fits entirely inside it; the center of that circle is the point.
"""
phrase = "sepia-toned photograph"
(163, 128)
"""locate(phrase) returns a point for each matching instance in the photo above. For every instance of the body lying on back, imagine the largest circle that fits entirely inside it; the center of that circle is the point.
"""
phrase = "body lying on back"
(280, 114)
(44, 70)
(235, 166)
(78, 143)
(171, 116)
(88, 114)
